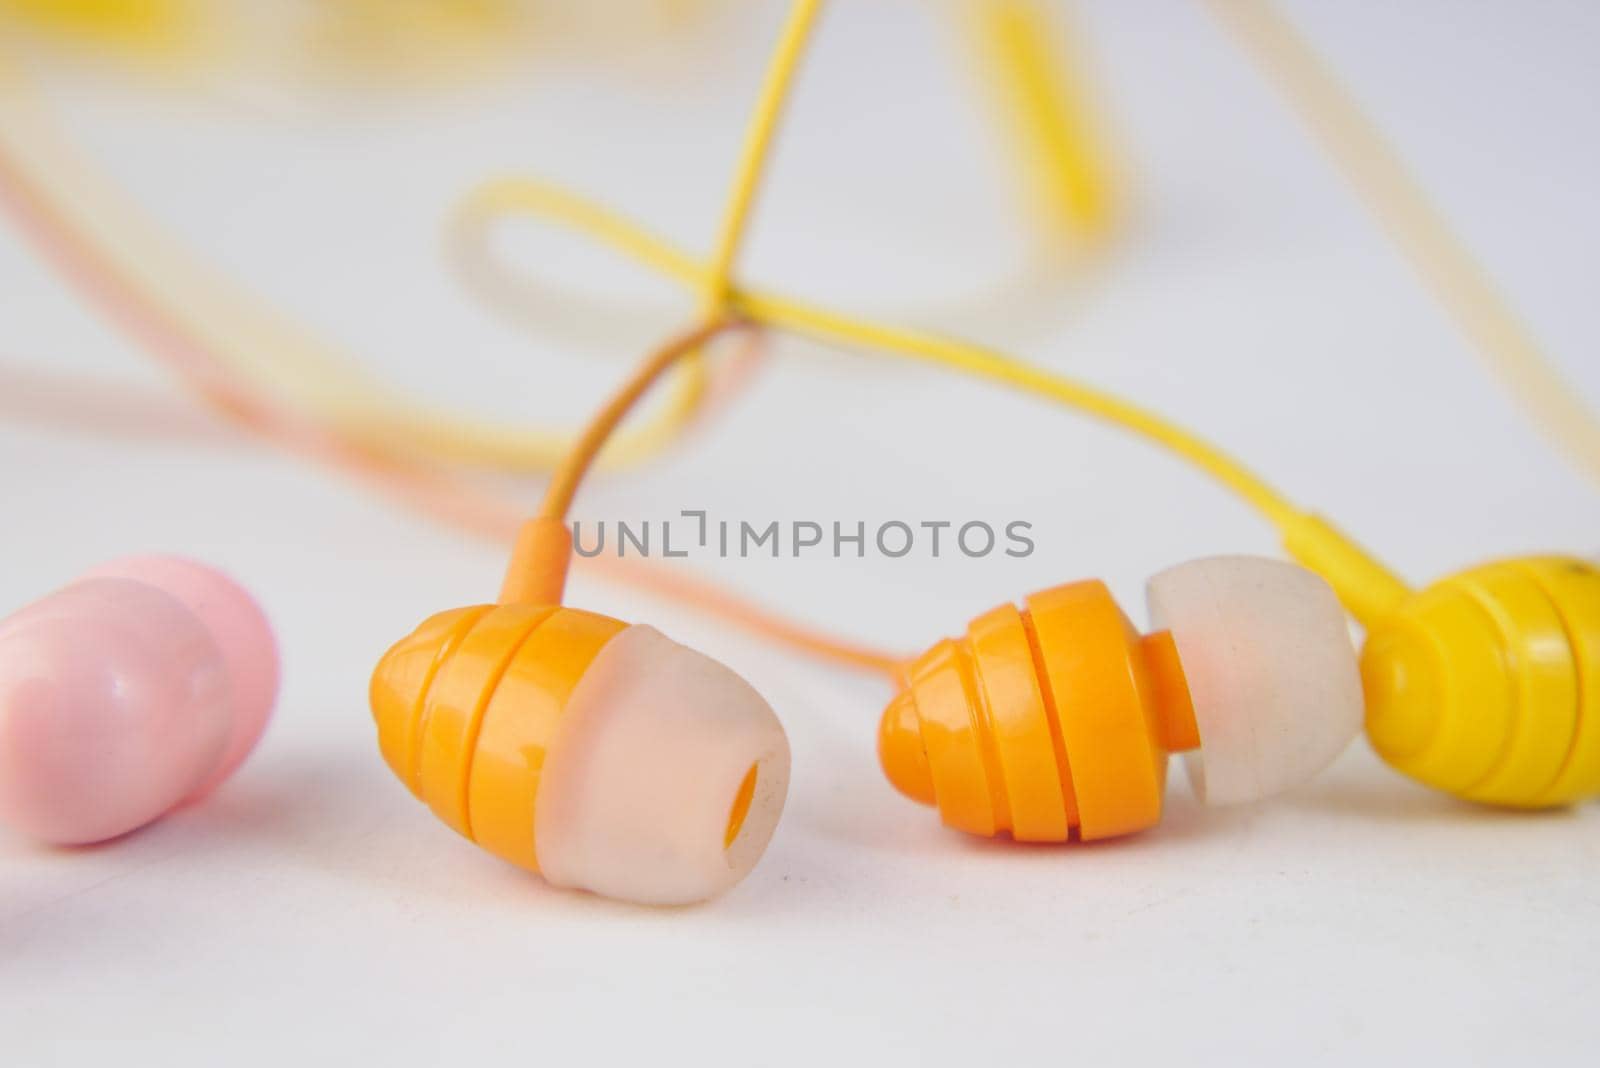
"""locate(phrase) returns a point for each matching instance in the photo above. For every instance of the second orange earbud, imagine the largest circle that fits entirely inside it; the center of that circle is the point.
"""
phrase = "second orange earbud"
(1056, 718)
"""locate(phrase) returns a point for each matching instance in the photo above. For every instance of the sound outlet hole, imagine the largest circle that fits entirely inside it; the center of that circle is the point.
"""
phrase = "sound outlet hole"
(741, 807)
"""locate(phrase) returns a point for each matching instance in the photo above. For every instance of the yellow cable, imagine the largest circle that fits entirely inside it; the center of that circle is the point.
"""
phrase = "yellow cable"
(752, 161)
(689, 385)
(250, 339)
(1022, 49)
(247, 336)
(1364, 583)
(1373, 167)
(75, 207)
(1354, 573)
(1025, 59)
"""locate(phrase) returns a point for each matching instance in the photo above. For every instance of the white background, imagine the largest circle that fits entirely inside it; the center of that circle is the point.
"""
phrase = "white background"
(312, 909)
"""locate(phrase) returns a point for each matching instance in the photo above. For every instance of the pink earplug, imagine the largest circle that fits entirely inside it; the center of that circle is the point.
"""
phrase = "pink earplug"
(139, 687)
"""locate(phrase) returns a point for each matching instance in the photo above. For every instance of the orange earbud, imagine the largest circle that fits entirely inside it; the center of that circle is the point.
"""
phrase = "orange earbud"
(1059, 715)
(603, 755)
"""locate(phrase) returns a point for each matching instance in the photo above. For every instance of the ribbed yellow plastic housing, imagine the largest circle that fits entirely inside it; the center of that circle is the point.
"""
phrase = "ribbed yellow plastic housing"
(1487, 684)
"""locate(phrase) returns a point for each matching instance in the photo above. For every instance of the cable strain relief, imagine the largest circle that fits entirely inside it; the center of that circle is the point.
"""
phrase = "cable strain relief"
(537, 572)
(1368, 589)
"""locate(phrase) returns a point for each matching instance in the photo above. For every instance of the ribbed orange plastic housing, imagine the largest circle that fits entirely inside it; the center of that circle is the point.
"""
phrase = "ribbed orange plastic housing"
(468, 704)
(1044, 719)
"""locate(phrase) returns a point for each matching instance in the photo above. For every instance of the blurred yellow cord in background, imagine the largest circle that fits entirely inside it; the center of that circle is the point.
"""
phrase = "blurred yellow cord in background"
(1068, 171)
(1375, 170)
(255, 343)
(228, 348)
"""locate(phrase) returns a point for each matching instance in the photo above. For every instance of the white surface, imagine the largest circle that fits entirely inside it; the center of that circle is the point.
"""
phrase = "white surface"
(314, 910)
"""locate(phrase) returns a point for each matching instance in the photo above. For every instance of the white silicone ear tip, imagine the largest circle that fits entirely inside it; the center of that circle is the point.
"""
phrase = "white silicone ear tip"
(642, 784)
(1266, 650)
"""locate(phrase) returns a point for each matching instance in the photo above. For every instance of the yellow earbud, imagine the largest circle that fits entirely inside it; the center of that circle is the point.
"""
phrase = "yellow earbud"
(1487, 684)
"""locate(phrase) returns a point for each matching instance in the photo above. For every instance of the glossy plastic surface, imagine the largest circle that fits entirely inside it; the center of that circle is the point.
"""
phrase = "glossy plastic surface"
(1487, 684)
(1038, 721)
(113, 708)
(467, 707)
(239, 627)
(140, 686)
(605, 756)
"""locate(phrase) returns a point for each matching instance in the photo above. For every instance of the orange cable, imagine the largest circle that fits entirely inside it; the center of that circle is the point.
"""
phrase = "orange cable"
(432, 492)
(580, 457)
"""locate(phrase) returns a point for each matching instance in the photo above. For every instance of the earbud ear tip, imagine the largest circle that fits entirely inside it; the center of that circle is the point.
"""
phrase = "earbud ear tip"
(1266, 651)
(666, 779)
(240, 630)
